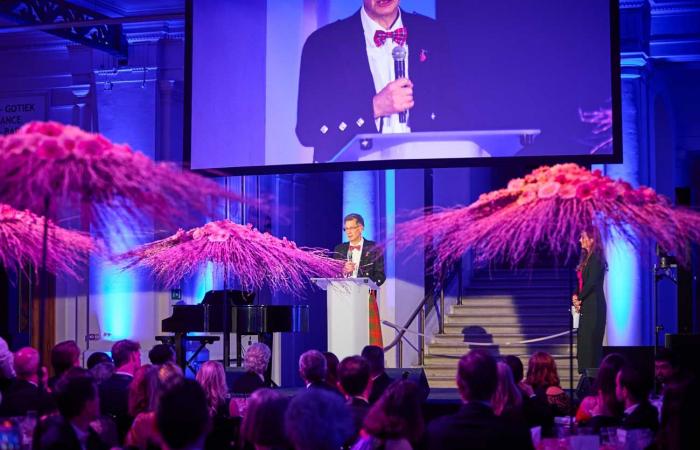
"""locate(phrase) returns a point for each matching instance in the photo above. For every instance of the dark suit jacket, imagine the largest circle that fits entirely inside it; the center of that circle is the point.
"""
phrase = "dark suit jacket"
(58, 434)
(22, 396)
(247, 383)
(358, 410)
(336, 85)
(379, 385)
(475, 426)
(324, 386)
(371, 260)
(114, 401)
(644, 416)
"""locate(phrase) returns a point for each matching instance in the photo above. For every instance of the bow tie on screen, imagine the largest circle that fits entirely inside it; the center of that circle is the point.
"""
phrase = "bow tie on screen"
(399, 36)
(354, 247)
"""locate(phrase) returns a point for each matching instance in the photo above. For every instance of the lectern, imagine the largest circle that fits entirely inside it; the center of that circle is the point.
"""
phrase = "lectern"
(348, 313)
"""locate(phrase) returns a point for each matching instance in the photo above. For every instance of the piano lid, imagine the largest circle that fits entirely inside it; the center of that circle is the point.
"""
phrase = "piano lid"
(235, 297)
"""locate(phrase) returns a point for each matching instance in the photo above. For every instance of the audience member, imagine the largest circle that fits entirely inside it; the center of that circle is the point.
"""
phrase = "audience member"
(212, 378)
(161, 354)
(79, 405)
(64, 355)
(183, 417)
(263, 425)
(23, 394)
(667, 368)
(680, 416)
(380, 380)
(516, 367)
(312, 370)
(7, 366)
(353, 381)
(255, 361)
(507, 401)
(535, 410)
(114, 391)
(144, 391)
(98, 358)
(332, 362)
(633, 391)
(395, 421)
(317, 419)
(542, 376)
(475, 426)
(603, 409)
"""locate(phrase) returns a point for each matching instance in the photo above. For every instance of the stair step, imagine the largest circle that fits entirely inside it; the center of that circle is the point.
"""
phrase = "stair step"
(561, 360)
(538, 329)
(488, 318)
(500, 338)
(503, 307)
(452, 349)
(449, 382)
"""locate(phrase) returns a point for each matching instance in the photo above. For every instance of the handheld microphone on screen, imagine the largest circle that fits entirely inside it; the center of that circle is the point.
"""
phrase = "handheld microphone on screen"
(399, 55)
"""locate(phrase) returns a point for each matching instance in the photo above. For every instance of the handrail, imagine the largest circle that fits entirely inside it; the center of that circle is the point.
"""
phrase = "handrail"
(417, 311)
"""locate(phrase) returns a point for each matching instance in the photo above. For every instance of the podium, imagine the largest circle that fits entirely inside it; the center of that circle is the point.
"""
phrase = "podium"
(348, 313)
(436, 145)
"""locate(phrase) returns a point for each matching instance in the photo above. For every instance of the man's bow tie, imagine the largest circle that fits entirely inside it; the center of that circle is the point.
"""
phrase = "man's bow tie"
(355, 247)
(399, 36)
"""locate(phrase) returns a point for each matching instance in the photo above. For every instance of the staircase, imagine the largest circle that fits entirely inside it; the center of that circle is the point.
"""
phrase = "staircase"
(502, 308)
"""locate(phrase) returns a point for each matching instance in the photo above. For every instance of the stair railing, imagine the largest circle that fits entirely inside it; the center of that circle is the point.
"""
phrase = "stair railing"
(422, 312)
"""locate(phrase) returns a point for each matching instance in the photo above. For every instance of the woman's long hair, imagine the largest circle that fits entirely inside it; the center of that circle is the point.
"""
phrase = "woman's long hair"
(507, 396)
(604, 383)
(397, 414)
(542, 371)
(212, 378)
(144, 390)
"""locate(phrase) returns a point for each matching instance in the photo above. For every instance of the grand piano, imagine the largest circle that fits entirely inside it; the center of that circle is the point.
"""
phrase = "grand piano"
(245, 318)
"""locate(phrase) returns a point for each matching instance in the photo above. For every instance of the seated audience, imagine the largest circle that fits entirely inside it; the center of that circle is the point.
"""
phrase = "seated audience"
(395, 421)
(7, 366)
(114, 391)
(475, 426)
(667, 368)
(317, 419)
(380, 380)
(535, 410)
(507, 401)
(78, 406)
(312, 370)
(23, 394)
(161, 354)
(542, 376)
(633, 391)
(603, 409)
(263, 425)
(182, 416)
(332, 362)
(353, 381)
(64, 355)
(101, 366)
(144, 391)
(680, 415)
(98, 358)
(255, 361)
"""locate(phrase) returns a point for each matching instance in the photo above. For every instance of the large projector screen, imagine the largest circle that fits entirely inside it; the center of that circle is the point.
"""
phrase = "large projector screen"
(298, 85)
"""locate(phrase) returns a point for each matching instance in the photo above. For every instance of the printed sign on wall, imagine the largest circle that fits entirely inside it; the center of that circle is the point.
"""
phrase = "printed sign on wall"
(16, 111)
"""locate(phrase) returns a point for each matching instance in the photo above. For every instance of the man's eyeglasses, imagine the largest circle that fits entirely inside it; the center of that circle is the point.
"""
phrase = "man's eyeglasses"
(351, 228)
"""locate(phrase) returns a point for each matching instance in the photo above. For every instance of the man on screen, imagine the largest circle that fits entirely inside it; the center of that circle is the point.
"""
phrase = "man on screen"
(363, 259)
(347, 84)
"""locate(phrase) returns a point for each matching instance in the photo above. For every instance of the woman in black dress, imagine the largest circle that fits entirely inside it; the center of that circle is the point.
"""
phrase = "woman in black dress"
(589, 300)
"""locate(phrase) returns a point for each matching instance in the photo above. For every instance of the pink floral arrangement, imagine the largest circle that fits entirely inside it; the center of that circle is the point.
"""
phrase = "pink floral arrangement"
(239, 252)
(548, 209)
(21, 240)
(49, 160)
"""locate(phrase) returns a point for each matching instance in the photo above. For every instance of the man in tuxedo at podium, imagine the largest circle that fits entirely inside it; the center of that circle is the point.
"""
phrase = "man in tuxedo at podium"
(348, 85)
(363, 259)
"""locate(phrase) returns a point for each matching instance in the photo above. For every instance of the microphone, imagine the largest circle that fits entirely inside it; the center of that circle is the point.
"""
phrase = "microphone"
(399, 55)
